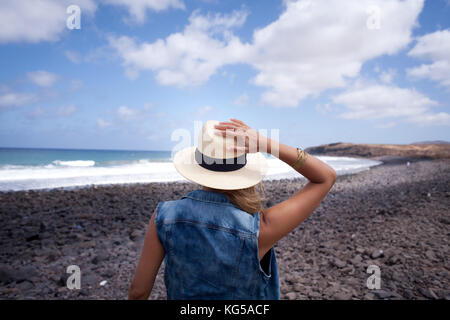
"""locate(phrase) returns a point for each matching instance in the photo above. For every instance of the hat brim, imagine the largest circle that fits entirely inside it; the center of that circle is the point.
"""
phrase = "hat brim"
(251, 174)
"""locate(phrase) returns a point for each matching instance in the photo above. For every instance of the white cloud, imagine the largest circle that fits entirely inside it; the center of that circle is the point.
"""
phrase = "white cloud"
(200, 112)
(126, 112)
(66, 111)
(311, 47)
(134, 121)
(73, 56)
(436, 48)
(186, 58)
(153, 137)
(42, 78)
(14, 99)
(37, 112)
(34, 21)
(380, 101)
(102, 124)
(98, 54)
(242, 100)
(438, 71)
(203, 110)
(76, 85)
(387, 76)
(148, 106)
(428, 119)
(138, 8)
(374, 101)
(323, 108)
(433, 46)
(385, 125)
(316, 45)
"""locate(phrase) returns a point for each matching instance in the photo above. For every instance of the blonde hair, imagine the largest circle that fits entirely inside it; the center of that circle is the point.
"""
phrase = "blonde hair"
(247, 199)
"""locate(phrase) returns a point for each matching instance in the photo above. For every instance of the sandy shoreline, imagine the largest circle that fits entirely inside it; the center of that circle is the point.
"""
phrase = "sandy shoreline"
(401, 210)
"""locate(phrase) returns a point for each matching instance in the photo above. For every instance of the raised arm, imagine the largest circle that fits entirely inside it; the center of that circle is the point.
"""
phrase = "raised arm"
(280, 219)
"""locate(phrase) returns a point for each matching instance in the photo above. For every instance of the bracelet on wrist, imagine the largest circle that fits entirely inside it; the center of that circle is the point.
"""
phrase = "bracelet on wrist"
(301, 159)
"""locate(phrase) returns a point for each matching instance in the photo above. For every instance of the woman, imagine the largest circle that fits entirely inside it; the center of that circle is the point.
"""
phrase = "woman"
(217, 241)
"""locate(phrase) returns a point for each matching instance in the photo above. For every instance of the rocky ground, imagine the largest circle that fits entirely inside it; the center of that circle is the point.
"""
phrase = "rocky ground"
(393, 216)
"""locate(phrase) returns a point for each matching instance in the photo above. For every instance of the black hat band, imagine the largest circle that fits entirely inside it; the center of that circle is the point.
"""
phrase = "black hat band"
(218, 164)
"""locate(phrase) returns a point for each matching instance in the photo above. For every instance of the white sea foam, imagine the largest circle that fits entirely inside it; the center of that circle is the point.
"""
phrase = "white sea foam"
(75, 163)
(82, 173)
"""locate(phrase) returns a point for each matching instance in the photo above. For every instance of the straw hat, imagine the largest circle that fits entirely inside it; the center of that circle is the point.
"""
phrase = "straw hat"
(211, 164)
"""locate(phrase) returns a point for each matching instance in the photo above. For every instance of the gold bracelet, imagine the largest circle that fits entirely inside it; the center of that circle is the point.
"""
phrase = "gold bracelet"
(302, 156)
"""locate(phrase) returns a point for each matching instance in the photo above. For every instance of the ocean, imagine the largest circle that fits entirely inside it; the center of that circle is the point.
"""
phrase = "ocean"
(30, 169)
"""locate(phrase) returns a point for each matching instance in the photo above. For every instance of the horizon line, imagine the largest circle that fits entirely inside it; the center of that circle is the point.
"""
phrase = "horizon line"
(146, 150)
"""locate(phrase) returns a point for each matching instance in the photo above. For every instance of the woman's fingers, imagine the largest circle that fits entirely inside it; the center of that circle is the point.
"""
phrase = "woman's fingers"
(238, 122)
(225, 126)
(229, 133)
(233, 122)
(226, 123)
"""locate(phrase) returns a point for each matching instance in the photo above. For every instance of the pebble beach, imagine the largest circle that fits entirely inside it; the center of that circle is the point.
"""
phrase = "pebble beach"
(395, 216)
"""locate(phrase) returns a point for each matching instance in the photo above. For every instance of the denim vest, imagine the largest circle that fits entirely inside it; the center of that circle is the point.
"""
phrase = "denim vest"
(212, 250)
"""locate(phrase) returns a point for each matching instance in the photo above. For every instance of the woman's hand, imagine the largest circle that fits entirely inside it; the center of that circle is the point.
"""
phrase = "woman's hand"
(248, 139)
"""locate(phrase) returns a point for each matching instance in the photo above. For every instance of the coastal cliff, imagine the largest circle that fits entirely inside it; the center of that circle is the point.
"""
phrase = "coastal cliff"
(412, 151)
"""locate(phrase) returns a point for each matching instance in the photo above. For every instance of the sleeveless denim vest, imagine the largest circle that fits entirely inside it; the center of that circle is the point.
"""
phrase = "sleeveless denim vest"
(212, 250)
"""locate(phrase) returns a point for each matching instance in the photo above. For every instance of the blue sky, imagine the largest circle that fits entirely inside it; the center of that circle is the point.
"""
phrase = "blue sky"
(319, 71)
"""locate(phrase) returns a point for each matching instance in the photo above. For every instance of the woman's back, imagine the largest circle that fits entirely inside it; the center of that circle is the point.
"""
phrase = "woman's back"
(211, 246)
(212, 250)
